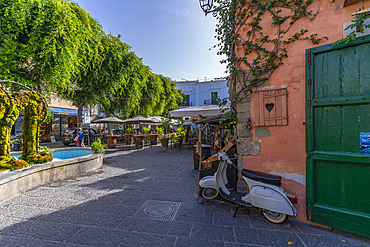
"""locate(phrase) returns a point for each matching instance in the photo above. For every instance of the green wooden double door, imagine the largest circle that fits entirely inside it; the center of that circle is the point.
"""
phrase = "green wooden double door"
(337, 114)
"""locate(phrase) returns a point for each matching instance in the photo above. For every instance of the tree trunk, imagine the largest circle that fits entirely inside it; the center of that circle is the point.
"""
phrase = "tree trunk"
(109, 125)
(80, 108)
(4, 142)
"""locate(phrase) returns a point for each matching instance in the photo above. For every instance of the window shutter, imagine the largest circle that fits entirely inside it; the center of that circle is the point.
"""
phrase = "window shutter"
(271, 107)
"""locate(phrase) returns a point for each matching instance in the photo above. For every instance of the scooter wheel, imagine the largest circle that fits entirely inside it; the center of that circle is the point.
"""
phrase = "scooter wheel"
(274, 217)
(209, 193)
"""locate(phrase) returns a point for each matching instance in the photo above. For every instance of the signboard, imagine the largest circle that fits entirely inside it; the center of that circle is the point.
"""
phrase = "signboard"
(86, 116)
(365, 142)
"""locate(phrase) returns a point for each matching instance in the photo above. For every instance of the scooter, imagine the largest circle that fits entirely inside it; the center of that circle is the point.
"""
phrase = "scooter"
(265, 191)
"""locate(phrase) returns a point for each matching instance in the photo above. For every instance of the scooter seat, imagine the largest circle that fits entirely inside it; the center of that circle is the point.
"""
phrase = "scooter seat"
(262, 177)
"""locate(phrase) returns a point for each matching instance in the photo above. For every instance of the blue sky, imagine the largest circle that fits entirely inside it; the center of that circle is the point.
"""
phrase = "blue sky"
(172, 37)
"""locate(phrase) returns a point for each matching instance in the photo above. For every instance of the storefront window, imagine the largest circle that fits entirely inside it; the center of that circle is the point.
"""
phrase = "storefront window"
(64, 124)
(55, 126)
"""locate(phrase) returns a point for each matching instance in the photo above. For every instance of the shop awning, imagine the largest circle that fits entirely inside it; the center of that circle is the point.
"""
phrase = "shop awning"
(63, 111)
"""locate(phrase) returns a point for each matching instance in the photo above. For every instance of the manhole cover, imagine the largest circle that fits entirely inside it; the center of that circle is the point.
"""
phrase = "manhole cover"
(159, 210)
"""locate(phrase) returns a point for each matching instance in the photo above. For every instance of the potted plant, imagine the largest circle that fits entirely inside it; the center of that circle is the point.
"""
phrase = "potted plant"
(164, 142)
(129, 133)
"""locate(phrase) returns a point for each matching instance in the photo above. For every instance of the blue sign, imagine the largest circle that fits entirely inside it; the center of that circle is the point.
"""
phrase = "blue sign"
(365, 142)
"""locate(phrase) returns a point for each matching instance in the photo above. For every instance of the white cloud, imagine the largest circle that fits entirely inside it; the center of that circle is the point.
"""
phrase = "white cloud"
(173, 11)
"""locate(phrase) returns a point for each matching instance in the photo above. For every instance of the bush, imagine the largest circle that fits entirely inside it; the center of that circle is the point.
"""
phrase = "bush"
(98, 147)
(129, 131)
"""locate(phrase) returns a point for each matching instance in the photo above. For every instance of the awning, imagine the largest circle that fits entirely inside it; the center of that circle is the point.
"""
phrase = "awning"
(63, 111)
(193, 111)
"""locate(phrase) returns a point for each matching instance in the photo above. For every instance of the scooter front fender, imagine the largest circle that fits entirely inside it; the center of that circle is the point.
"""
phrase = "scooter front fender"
(208, 182)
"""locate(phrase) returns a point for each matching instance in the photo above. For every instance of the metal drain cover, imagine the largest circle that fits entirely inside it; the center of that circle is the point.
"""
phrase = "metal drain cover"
(158, 210)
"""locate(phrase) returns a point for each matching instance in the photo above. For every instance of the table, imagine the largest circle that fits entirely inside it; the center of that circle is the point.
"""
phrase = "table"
(111, 142)
(139, 141)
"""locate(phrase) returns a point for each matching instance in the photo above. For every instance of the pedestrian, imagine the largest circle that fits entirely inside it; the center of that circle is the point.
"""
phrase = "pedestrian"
(81, 136)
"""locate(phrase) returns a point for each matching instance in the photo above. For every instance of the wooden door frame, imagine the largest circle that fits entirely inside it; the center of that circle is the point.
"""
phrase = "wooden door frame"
(309, 111)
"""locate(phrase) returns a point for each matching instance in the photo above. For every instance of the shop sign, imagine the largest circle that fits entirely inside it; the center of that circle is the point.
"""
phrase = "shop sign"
(365, 142)
(86, 116)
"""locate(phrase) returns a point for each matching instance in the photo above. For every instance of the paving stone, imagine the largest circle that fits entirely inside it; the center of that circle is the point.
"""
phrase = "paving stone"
(58, 203)
(139, 239)
(112, 199)
(159, 196)
(193, 242)
(40, 192)
(25, 212)
(133, 200)
(29, 228)
(195, 216)
(24, 200)
(220, 218)
(329, 241)
(9, 221)
(107, 220)
(37, 243)
(4, 239)
(121, 209)
(266, 237)
(92, 206)
(180, 228)
(66, 216)
(262, 223)
(98, 236)
(212, 232)
(140, 225)
(58, 232)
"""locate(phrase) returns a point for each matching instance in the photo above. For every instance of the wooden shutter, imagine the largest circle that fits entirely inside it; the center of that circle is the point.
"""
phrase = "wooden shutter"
(271, 107)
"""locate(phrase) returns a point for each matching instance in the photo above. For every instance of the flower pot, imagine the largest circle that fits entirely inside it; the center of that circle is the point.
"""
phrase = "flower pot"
(164, 144)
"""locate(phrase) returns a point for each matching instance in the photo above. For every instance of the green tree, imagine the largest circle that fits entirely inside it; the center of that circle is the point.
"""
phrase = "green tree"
(40, 42)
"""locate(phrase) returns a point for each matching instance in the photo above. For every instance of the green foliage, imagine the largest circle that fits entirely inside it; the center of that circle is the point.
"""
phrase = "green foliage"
(160, 131)
(166, 124)
(41, 42)
(173, 135)
(46, 149)
(98, 147)
(182, 133)
(129, 131)
(146, 129)
(358, 24)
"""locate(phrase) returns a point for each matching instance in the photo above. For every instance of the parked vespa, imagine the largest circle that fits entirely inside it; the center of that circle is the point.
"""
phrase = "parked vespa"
(264, 191)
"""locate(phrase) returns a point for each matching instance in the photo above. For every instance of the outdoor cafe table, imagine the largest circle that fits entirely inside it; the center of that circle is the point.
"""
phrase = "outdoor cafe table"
(139, 141)
(111, 140)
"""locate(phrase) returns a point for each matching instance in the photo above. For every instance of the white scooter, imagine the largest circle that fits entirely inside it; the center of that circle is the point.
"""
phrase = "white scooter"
(264, 191)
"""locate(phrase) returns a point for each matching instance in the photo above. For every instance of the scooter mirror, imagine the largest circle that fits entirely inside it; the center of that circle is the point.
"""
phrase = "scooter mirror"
(236, 156)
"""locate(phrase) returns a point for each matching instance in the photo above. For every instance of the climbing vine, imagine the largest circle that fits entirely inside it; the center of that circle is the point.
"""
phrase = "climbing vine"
(254, 36)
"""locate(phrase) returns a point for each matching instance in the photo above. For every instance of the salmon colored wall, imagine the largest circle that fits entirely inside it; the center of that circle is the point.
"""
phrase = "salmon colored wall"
(283, 153)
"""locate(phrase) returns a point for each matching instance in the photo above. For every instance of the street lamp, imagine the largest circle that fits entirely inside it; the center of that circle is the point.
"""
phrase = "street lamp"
(206, 6)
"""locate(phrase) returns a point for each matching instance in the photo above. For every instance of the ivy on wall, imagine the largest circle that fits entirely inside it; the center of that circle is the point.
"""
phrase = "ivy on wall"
(253, 53)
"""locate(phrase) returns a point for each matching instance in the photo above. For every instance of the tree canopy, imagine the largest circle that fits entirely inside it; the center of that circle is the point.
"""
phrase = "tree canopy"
(56, 46)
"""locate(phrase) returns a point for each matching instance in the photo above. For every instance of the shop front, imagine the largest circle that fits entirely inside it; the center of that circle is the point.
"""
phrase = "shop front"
(63, 119)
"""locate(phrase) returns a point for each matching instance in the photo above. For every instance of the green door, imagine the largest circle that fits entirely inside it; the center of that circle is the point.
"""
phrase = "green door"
(337, 112)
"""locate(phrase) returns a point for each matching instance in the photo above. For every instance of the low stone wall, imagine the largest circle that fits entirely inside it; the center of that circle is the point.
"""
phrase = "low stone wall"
(18, 181)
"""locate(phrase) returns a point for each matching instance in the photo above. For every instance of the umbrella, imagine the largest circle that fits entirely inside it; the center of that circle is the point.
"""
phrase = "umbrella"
(156, 120)
(108, 120)
(137, 120)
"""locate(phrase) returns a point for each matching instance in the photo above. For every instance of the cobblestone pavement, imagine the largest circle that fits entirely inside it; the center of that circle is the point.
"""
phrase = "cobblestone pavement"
(105, 209)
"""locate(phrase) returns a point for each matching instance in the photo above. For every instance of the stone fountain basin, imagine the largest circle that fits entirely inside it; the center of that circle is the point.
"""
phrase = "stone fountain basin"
(15, 182)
